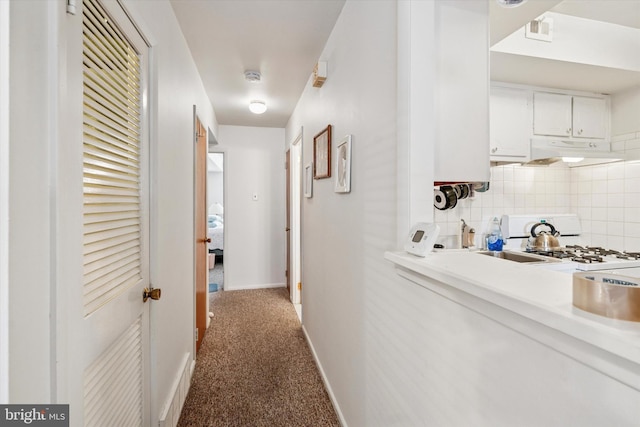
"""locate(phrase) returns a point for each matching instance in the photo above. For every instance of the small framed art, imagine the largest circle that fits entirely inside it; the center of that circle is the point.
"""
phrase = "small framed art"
(343, 165)
(322, 154)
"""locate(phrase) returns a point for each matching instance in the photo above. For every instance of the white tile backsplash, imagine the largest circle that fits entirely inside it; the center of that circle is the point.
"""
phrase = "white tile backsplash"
(605, 197)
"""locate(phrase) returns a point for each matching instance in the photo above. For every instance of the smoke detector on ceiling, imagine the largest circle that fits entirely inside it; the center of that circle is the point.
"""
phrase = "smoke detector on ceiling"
(252, 76)
(510, 3)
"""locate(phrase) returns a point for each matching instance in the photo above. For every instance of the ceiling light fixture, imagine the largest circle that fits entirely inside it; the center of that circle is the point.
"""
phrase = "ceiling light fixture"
(252, 76)
(257, 107)
(510, 3)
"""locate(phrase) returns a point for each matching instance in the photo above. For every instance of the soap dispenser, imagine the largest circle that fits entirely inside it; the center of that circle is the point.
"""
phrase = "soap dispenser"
(494, 239)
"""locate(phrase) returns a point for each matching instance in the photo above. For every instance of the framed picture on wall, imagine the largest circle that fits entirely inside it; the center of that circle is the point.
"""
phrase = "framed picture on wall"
(343, 165)
(322, 154)
(308, 180)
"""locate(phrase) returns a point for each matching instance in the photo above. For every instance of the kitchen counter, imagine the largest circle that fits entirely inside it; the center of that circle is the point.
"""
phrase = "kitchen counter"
(532, 300)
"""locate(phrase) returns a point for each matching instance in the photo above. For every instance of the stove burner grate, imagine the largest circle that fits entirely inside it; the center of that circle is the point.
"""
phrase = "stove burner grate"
(587, 259)
(629, 255)
(586, 254)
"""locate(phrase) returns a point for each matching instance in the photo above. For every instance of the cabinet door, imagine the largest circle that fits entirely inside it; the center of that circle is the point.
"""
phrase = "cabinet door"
(461, 148)
(551, 114)
(510, 124)
(589, 117)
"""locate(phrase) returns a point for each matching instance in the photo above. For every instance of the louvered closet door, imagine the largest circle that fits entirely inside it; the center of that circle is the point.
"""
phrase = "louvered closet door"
(115, 338)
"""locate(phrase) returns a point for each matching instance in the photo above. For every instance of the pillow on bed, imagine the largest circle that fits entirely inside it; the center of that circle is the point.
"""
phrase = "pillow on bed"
(213, 221)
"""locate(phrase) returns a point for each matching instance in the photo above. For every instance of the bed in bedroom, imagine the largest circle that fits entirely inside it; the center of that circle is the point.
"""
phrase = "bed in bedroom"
(216, 234)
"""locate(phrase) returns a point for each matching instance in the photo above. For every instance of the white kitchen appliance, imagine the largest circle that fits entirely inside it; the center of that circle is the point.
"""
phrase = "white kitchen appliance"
(574, 153)
(572, 256)
(421, 238)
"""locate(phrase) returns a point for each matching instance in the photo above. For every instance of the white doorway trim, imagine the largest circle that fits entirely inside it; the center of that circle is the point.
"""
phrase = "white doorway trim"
(296, 223)
(4, 201)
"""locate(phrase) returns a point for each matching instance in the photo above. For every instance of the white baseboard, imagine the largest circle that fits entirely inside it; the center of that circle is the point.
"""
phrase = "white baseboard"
(260, 286)
(332, 396)
(170, 415)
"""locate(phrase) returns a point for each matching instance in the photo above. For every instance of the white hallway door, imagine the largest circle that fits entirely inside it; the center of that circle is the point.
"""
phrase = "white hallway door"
(103, 220)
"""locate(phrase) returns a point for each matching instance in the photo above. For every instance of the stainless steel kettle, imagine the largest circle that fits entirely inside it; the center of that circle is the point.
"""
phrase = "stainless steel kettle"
(543, 240)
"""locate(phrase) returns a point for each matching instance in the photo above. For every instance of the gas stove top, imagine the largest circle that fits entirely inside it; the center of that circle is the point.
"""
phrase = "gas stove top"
(572, 256)
(591, 258)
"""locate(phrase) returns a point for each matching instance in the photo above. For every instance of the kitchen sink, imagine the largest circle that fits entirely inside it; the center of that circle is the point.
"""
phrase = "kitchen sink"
(518, 256)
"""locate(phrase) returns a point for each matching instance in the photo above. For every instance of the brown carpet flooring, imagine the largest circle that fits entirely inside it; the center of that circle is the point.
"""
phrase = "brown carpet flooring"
(254, 367)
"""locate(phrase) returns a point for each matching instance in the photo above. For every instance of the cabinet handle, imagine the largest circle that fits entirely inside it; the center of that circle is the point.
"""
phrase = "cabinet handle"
(494, 149)
(580, 132)
(569, 131)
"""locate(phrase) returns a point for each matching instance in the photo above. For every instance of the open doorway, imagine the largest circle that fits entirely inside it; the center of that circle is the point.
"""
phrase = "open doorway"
(215, 220)
(294, 223)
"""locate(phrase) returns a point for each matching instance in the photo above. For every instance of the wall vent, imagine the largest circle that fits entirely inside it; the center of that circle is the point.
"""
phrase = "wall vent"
(540, 29)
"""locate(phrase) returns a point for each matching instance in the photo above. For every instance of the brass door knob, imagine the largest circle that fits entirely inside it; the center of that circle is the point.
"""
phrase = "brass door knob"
(153, 293)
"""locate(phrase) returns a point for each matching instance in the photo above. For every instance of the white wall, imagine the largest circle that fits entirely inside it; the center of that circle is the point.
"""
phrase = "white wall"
(254, 252)
(215, 188)
(377, 337)
(345, 235)
(35, 351)
(625, 116)
(4, 201)
(30, 239)
(581, 41)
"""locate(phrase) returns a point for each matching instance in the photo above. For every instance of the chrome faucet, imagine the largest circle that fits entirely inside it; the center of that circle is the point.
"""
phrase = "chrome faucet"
(467, 235)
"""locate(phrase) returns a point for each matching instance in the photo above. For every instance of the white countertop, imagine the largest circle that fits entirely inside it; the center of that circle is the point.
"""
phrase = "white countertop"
(538, 294)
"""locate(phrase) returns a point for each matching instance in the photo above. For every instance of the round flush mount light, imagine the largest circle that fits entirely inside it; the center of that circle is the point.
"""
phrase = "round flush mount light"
(252, 76)
(257, 107)
(510, 3)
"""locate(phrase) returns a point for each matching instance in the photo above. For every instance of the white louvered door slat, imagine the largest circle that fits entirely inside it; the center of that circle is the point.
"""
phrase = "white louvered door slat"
(93, 134)
(112, 383)
(110, 151)
(115, 232)
(95, 88)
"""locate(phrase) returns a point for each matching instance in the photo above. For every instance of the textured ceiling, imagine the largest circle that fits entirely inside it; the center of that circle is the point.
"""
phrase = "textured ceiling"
(283, 39)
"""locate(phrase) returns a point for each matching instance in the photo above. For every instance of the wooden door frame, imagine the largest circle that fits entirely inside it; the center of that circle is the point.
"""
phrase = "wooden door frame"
(200, 286)
(295, 170)
(288, 219)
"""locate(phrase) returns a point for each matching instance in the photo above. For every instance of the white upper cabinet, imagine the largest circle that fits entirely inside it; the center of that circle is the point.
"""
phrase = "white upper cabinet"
(551, 114)
(590, 117)
(570, 116)
(461, 90)
(510, 124)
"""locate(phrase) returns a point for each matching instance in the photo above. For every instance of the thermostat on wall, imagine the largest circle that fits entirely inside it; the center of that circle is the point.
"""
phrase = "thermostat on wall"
(421, 238)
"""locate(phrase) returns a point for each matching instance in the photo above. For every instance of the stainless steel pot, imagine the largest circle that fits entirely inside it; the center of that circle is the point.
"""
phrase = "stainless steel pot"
(543, 240)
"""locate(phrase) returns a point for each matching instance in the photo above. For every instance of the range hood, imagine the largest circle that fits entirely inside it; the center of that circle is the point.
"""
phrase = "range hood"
(573, 153)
